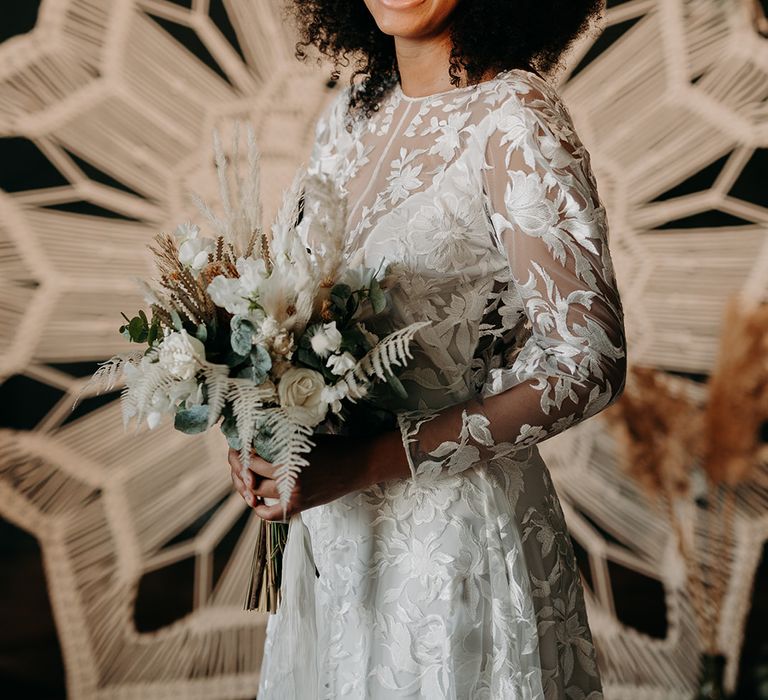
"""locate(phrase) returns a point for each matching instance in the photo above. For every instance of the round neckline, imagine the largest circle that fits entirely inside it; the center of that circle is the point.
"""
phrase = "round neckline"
(458, 90)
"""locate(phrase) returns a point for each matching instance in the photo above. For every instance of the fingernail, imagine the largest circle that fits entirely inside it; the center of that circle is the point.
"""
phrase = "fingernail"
(249, 498)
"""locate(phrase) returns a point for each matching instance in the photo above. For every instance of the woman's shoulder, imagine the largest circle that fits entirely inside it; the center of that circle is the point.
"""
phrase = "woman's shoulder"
(523, 104)
(516, 91)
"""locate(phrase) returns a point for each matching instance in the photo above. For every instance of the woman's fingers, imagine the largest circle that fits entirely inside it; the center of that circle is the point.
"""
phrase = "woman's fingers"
(240, 487)
(261, 466)
(258, 465)
(267, 488)
(274, 512)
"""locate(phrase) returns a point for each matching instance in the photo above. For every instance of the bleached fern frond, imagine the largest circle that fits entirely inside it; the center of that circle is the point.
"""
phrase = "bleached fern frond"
(354, 388)
(392, 350)
(291, 431)
(109, 371)
(217, 382)
(248, 402)
(152, 380)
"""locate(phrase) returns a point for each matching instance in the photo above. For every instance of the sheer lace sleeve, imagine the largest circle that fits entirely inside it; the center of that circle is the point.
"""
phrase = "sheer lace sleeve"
(551, 226)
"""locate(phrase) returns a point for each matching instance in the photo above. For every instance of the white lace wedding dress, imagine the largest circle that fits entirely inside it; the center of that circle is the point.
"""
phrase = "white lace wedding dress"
(460, 582)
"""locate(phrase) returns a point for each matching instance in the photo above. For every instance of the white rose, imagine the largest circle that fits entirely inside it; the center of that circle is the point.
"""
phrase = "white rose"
(326, 340)
(339, 364)
(303, 387)
(193, 251)
(180, 354)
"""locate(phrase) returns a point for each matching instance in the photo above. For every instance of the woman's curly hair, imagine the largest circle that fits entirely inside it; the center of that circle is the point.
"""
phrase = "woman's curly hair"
(486, 35)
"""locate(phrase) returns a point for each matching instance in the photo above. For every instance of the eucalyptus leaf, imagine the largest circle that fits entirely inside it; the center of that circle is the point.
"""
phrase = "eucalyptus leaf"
(261, 362)
(397, 386)
(307, 357)
(229, 428)
(192, 420)
(154, 331)
(352, 339)
(263, 443)
(242, 335)
(202, 333)
(177, 324)
(233, 359)
(137, 328)
(378, 300)
(340, 293)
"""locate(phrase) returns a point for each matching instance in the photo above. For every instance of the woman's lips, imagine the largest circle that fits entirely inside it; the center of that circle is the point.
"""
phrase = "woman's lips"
(400, 4)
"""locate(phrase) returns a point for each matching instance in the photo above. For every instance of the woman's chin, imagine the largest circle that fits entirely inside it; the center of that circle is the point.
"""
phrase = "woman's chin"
(410, 19)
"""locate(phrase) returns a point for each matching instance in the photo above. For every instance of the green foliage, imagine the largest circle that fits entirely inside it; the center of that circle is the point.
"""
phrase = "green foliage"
(397, 386)
(261, 363)
(346, 301)
(341, 297)
(229, 428)
(263, 443)
(192, 420)
(177, 323)
(242, 335)
(377, 297)
(258, 366)
(308, 358)
(353, 341)
(139, 329)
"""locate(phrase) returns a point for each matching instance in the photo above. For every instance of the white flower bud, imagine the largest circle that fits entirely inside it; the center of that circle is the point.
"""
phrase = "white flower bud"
(326, 340)
(339, 364)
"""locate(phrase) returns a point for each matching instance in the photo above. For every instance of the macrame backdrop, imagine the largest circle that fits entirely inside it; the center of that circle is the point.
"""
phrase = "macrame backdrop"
(108, 93)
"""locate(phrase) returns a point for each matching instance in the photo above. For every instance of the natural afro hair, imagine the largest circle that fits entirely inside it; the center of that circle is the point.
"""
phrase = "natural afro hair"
(486, 36)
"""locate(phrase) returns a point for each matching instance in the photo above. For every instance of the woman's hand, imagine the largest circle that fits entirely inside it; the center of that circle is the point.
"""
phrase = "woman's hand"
(338, 465)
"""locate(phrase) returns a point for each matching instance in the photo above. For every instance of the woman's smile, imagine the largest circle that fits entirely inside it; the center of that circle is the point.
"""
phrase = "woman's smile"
(401, 4)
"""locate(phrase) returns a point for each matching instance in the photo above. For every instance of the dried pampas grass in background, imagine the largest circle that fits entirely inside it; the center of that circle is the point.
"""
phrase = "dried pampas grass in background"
(738, 395)
(683, 451)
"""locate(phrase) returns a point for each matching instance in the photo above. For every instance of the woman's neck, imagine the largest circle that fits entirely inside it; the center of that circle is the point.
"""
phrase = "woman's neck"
(423, 64)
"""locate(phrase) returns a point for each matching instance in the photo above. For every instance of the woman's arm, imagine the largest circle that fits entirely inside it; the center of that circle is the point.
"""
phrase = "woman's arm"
(547, 216)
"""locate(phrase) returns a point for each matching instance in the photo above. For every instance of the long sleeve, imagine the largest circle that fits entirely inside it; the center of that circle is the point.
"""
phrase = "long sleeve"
(560, 292)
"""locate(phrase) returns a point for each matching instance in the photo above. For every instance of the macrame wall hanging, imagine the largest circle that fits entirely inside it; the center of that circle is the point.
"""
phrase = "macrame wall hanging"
(109, 94)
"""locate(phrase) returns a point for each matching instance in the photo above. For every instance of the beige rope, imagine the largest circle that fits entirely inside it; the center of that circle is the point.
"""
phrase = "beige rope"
(101, 80)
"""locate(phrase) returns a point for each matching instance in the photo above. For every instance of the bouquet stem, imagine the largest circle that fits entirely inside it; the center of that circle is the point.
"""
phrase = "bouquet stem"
(266, 568)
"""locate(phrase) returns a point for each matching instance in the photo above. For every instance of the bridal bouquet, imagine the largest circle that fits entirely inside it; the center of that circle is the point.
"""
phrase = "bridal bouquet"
(269, 336)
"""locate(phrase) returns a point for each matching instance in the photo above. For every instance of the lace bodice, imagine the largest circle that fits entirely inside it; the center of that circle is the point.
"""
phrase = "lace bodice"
(485, 200)
(461, 581)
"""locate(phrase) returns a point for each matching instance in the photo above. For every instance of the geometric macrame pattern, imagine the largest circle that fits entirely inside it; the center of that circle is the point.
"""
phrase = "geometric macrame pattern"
(108, 97)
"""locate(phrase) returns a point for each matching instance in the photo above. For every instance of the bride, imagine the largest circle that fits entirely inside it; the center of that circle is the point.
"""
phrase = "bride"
(445, 565)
